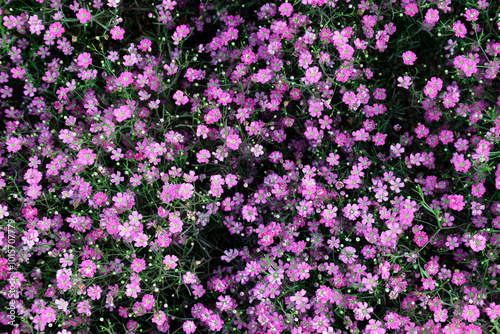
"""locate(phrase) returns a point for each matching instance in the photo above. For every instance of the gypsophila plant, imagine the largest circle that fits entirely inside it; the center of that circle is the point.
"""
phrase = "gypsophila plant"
(308, 166)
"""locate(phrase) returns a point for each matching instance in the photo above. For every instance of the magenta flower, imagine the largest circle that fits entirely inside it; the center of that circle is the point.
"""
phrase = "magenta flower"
(432, 16)
(249, 213)
(148, 302)
(456, 202)
(159, 318)
(170, 262)
(94, 292)
(470, 313)
(189, 327)
(88, 268)
(203, 156)
(286, 9)
(84, 307)
(132, 290)
(138, 265)
(478, 243)
(117, 33)
(180, 98)
(421, 238)
(122, 113)
(84, 60)
(211, 117)
(348, 255)
(409, 58)
(64, 282)
(313, 75)
(13, 144)
(84, 15)
(233, 142)
(86, 157)
(370, 282)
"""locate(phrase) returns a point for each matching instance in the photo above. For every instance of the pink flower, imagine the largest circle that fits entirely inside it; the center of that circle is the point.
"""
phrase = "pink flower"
(13, 144)
(3, 211)
(441, 315)
(213, 116)
(421, 131)
(64, 282)
(100, 198)
(263, 76)
(404, 82)
(159, 318)
(148, 301)
(84, 60)
(458, 279)
(433, 87)
(170, 262)
(409, 58)
(249, 213)
(420, 238)
(84, 15)
(132, 290)
(138, 265)
(478, 243)
(456, 202)
(117, 33)
(233, 142)
(473, 329)
(175, 225)
(346, 51)
(470, 313)
(370, 282)
(286, 9)
(189, 327)
(88, 268)
(18, 72)
(126, 79)
(428, 283)
(180, 98)
(459, 29)
(411, 9)
(432, 16)
(471, 15)
(379, 139)
(49, 315)
(94, 292)
(493, 311)
(84, 307)
(348, 255)
(351, 211)
(86, 157)
(203, 156)
(299, 297)
(145, 45)
(122, 113)
(313, 75)
(362, 311)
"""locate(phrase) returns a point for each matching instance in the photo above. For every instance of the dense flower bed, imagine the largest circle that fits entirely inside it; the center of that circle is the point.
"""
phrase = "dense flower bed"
(314, 166)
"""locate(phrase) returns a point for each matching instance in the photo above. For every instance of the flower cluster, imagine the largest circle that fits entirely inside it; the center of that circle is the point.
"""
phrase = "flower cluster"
(249, 167)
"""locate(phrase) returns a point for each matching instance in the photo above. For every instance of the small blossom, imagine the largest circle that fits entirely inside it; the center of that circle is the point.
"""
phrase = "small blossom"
(409, 58)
